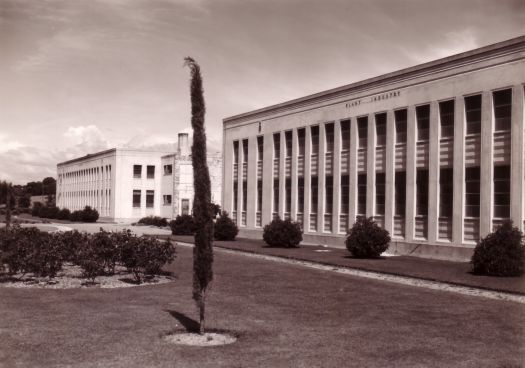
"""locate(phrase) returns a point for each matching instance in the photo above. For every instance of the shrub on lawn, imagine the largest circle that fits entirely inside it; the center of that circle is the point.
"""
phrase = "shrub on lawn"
(72, 242)
(183, 225)
(63, 214)
(50, 212)
(279, 233)
(106, 250)
(225, 228)
(37, 206)
(76, 216)
(47, 256)
(154, 221)
(90, 262)
(501, 253)
(89, 214)
(366, 239)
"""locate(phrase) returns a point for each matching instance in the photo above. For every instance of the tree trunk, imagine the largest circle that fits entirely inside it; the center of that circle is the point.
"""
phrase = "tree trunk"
(202, 316)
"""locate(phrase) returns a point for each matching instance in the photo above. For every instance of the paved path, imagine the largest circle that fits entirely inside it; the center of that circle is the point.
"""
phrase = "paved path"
(434, 285)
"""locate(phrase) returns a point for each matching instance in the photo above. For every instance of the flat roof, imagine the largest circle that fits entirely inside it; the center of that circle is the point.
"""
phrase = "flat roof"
(479, 53)
(111, 150)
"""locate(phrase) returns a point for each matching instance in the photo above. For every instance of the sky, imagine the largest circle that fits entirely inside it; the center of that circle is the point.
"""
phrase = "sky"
(80, 76)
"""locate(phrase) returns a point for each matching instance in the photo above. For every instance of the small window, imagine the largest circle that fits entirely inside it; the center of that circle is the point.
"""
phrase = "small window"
(362, 131)
(136, 199)
(446, 192)
(276, 146)
(381, 129)
(314, 194)
(150, 174)
(345, 194)
(300, 195)
(137, 171)
(235, 195)
(400, 193)
(244, 195)
(361, 194)
(380, 193)
(446, 117)
(245, 151)
(260, 148)
(236, 152)
(422, 192)
(423, 121)
(288, 195)
(259, 195)
(185, 206)
(167, 199)
(401, 126)
(472, 191)
(473, 114)
(329, 194)
(502, 191)
(276, 195)
(150, 198)
(502, 110)
(168, 169)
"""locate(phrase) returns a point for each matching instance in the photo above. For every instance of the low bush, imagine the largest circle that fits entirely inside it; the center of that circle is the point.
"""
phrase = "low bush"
(35, 211)
(90, 262)
(366, 239)
(47, 256)
(89, 214)
(501, 253)
(72, 242)
(63, 214)
(106, 250)
(183, 225)
(279, 233)
(154, 221)
(50, 212)
(225, 228)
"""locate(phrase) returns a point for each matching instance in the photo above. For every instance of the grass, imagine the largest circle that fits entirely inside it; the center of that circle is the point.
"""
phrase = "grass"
(285, 316)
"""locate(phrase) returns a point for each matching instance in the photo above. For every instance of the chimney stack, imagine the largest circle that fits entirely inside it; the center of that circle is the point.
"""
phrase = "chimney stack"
(183, 147)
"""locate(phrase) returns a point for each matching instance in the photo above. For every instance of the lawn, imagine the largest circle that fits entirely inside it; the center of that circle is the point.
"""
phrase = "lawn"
(286, 316)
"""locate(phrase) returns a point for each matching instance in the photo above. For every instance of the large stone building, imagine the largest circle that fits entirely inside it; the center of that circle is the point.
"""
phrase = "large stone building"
(128, 184)
(435, 153)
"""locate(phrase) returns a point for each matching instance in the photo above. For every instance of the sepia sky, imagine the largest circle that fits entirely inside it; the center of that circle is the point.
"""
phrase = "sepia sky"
(78, 76)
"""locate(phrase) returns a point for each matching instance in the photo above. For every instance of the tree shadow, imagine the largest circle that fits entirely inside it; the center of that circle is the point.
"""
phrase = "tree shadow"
(189, 324)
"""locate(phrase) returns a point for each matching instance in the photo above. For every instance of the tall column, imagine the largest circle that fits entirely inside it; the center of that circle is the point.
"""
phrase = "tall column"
(240, 183)
(458, 171)
(433, 172)
(307, 178)
(295, 152)
(321, 178)
(487, 166)
(352, 171)
(517, 157)
(282, 174)
(267, 179)
(336, 172)
(410, 210)
(371, 166)
(390, 158)
(252, 182)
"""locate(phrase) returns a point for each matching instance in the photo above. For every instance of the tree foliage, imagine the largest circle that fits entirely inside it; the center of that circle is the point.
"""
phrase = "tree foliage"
(203, 251)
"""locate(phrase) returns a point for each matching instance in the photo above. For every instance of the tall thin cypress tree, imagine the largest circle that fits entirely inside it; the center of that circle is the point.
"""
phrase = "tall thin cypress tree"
(6, 193)
(202, 251)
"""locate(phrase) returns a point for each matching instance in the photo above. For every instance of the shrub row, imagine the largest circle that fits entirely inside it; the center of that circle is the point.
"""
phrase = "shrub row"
(29, 250)
(154, 221)
(223, 229)
(88, 214)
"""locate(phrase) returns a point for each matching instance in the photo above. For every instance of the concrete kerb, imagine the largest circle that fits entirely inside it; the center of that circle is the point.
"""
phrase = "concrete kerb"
(382, 276)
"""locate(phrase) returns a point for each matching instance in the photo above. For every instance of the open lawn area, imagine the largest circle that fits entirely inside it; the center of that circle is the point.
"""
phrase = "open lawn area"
(285, 316)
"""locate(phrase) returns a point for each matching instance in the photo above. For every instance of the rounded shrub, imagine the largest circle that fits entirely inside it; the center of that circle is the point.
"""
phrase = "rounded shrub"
(63, 214)
(89, 214)
(501, 253)
(183, 225)
(154, 221)
(366, 239)
(225, 228)
(283, 233)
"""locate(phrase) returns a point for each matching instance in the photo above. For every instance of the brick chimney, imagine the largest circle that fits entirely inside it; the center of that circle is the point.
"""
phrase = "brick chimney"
(183, 147)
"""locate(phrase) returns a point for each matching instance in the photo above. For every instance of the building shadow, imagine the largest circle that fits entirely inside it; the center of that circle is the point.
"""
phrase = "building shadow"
(189, 324)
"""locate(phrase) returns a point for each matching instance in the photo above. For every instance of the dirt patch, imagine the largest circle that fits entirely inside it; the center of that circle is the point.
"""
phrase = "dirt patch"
(71, 278)
(195, 339)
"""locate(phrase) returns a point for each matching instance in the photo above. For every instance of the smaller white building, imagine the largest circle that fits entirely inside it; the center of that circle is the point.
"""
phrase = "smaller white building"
(128, 184)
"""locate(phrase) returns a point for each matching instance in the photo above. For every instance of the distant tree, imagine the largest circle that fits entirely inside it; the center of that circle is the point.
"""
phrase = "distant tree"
(203, 251)
(49, 186)
(34, 188)
(24, 202)
(6, 197)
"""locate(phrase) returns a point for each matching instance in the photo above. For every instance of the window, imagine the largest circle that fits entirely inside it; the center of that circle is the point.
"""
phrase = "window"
(150, 172)
(362, 131)
(502, 110)
(185, 206)
(446, 117)
(380, 193)
(288, 195)
(302, 140)
(137, 171)
(244, 195)
(276, 145)
(423, 120)
(400, 193)
(276, 195)
(472, 191)
(235, 195)
(502, 191)
(167, 199)
(401, 125)
(361, 194)
(345, 193)
(150, 198)
(315, 140)
(300, 195)
(168, 169)
(329, 194)
(314, 193)
(345, 135)
(380, 129)
(136, 199)
(260, 148)
(473, 114)
(259, 195)
(446, 190)
(236, 152)
(245, 150)
(288, 141)
(422, 192)
(329, 132)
